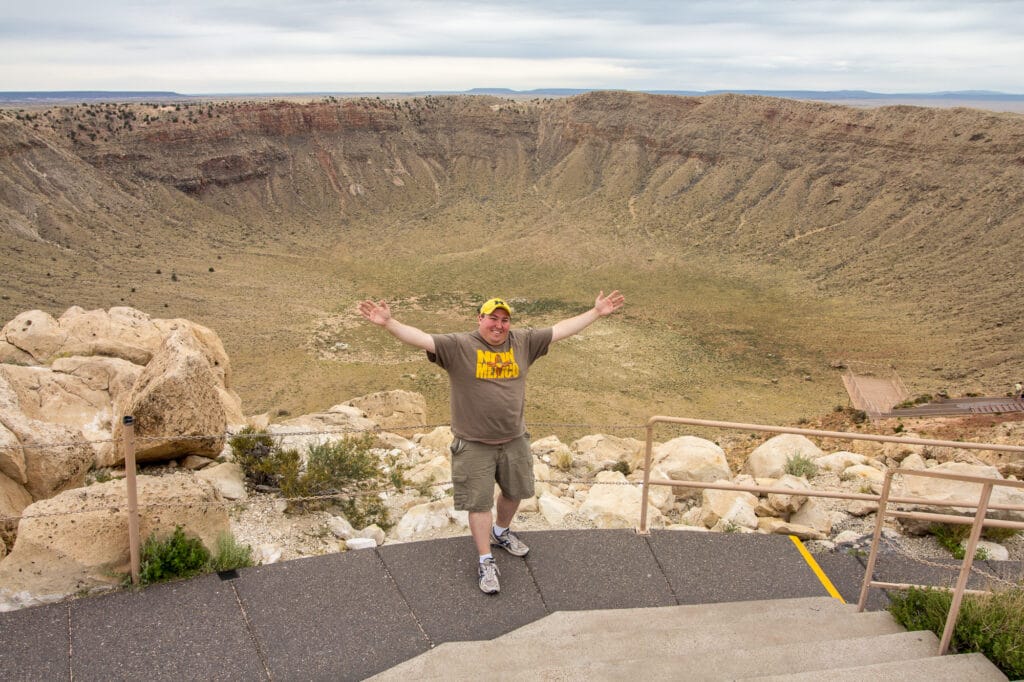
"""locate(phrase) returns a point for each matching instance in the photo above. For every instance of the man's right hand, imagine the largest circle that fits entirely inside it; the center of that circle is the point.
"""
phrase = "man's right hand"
(378, 313)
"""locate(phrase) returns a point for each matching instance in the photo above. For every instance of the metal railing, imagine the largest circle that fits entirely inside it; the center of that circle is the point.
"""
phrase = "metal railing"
(983, 504)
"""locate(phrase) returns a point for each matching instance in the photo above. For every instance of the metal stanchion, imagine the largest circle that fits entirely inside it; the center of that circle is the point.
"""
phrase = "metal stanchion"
(133, 502)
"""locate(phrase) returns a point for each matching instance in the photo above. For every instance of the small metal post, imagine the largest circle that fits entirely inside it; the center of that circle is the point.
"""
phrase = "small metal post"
(647, 478)
(869, 570)
(133, 502)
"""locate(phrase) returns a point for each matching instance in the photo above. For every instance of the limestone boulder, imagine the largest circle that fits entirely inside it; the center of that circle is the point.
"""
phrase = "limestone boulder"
(46, 458)
(728, 509)
(814, 514)
(660, 496)
(12, 455)
(941, 489)
(614, 503)
(394, 410)
(780, 527)
(438, 440)
(863, 473)
(600, 451)
(436, 470)
(13, 500)
(554, 452)
(36, 334)
(838, 461)
(78, 539)
(787, 504)
(176, 404)
(227, 478)
(554, 509)
(769, 459)
(425, 517)
(689, 458)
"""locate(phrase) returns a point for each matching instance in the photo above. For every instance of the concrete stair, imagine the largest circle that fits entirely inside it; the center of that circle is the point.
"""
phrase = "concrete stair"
(808, 638)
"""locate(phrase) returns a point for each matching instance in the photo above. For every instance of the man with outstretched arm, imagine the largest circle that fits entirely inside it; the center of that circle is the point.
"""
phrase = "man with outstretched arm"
(487, 370)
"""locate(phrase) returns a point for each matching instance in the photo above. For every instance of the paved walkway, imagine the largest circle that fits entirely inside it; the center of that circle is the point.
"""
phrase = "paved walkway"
(348, 616)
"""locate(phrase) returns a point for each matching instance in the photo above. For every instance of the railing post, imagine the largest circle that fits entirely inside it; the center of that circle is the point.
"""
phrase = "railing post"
(965, 569)
(647, 477)
(869, 571)
(133, 502)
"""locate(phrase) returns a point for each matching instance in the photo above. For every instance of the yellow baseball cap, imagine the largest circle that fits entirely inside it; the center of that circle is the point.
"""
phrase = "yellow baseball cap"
(493, 304)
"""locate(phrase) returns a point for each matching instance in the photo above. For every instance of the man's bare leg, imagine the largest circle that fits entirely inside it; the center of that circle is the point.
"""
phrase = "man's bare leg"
(480, 529)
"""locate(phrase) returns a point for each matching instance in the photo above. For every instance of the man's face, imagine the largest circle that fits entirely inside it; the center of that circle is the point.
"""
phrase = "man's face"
(494, 327)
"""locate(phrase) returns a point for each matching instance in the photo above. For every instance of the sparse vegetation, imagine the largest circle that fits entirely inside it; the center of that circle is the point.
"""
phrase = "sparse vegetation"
(230, 554)
(345, 474)
(991, 624)
(178, 556)
(801, 465)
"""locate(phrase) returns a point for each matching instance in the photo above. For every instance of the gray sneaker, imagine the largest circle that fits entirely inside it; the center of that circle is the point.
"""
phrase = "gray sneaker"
(509, 542)
(489, 577)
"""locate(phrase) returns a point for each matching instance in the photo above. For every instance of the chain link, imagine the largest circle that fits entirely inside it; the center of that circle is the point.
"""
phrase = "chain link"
(896, 544)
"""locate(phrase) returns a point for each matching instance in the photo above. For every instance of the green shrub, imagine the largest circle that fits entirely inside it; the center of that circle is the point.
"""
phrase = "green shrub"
(801, 465)
(991, 624)
(178, 556)
(230, 554)
(621, 466)
(344, 473)
(951, 535)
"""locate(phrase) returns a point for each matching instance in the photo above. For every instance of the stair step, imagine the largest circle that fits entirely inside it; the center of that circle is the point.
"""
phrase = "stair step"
(974, 667)
(540, 649)
(569, 623)
(813, 658)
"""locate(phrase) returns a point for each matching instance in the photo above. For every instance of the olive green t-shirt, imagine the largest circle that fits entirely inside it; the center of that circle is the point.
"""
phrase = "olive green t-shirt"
(488, 384)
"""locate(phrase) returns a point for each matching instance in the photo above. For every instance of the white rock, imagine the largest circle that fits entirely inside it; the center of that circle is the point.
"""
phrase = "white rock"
(340, 527)
(438, 440)
(863, 473)
(268, 554)
(227, 478)
(360, 543)
(424, 517)
(689, 458)
(728, 508)
(554, 509)
(372, 532)
(610, 504)
(838, 461)
(993, 550)
(769, 459)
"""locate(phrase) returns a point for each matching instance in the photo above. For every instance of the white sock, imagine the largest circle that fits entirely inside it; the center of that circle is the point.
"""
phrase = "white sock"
(485, 557)
(498, 530)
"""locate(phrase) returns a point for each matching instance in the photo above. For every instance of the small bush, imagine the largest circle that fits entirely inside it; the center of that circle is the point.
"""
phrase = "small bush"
(230, 554)
(178, 556)
(563, 460)
(951, 535)
(801, 465)
(621, 466)
(991, 624)
(344, 472)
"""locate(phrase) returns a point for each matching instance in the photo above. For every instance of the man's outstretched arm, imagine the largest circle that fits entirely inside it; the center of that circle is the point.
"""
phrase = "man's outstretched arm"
(380, 314)
(603, 306)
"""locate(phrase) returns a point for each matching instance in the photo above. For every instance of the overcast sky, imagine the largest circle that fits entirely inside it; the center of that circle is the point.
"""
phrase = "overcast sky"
(253, 46)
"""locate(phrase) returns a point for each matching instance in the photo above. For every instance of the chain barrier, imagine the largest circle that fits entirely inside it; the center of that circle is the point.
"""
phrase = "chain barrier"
(229, 433)
(896, 544)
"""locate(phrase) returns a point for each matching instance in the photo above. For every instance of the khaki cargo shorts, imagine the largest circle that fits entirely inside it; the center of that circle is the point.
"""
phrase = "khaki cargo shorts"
(476, 467)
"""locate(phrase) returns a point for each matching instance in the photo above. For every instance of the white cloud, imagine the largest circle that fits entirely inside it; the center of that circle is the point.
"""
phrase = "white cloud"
(258, 46)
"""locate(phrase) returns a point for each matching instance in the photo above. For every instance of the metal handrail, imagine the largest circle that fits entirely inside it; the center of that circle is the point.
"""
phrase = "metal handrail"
(983, 504)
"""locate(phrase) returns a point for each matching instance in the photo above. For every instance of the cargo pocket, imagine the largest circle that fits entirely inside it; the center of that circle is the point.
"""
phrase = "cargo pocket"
(460, 495)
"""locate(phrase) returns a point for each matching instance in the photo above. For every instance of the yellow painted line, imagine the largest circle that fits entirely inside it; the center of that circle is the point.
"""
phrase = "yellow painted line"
(829, 587)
